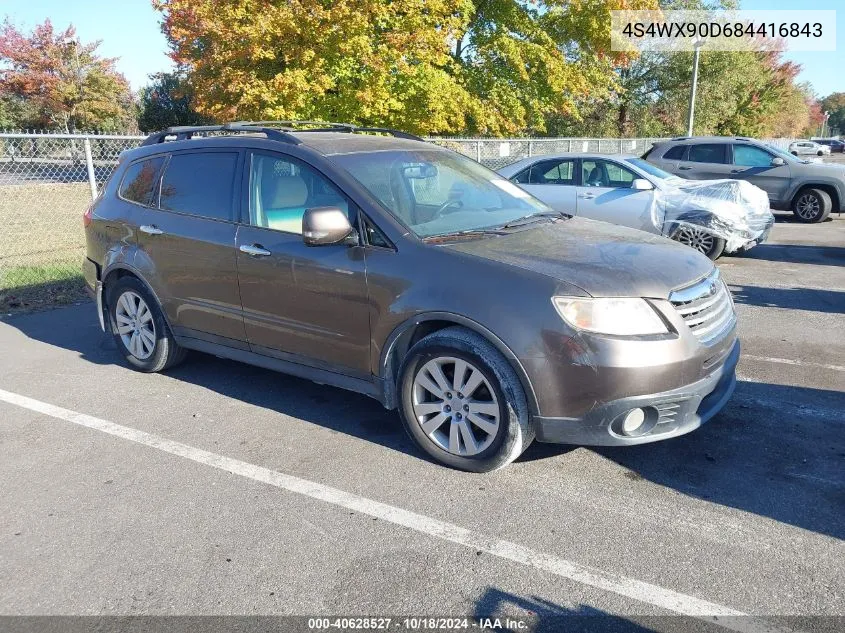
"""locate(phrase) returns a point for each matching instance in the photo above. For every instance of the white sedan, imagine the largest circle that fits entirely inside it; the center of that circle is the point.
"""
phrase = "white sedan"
(808, 148)
(712, 216)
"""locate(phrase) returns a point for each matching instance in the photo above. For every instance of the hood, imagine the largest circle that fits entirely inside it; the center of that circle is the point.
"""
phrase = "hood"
(602, 259)
(820, 169)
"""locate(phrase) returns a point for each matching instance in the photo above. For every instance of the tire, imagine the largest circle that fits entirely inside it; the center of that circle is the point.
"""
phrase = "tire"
(148, 345)
(812, 205)
(702, 241)
(819, 153)
(498, 392)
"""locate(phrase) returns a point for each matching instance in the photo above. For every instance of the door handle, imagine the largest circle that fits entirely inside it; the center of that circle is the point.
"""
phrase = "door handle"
(684, 168)
(587, 196)
(150, 229)
(254, 250)
(737, 171)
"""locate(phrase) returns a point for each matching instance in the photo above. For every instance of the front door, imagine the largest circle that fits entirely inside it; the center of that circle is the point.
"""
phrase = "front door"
(306, 304)
(605, 194)
(186, 245)
(754, 164)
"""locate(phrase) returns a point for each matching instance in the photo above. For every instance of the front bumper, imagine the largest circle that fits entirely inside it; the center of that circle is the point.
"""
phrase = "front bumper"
(670, 413)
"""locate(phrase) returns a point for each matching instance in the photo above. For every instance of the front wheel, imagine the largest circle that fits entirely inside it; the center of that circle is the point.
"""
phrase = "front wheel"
(139, 328)
(702, 241)
(462, 403)
(812, 205)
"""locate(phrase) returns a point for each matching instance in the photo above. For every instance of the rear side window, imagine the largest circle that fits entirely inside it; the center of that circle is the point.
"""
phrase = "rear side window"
(676, 152)
(553, 172)
(200, 183)
(140, 182)
(709, 153)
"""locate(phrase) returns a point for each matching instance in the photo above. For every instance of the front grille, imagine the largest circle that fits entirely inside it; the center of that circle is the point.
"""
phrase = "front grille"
(706, 307)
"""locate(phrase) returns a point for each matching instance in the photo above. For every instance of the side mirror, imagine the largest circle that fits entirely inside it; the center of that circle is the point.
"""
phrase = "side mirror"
(777, 161)
(322, 226)
(641, 184)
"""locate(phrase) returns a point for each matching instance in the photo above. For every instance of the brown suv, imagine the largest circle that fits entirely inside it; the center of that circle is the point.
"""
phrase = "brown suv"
(374, 261)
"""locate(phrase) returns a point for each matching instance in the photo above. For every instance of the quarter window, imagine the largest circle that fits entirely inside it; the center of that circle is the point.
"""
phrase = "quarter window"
(200, 183)
(140, 182)
(676, 153)
(750, 156)
(709, 153)
(282, 188)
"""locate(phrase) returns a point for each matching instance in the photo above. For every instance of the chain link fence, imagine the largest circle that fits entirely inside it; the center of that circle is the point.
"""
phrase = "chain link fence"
(48, 180)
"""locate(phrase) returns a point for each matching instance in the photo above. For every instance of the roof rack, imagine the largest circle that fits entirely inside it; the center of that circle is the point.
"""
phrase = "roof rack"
(183, 132)
(329, 126)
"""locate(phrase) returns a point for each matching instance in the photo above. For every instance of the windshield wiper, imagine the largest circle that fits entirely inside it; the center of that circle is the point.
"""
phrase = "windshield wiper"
(531, 218)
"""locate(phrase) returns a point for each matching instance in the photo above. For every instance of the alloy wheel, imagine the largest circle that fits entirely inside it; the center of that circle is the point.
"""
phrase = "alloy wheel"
(455, 406)
(696, 238)
(808, 206)
(135, 325)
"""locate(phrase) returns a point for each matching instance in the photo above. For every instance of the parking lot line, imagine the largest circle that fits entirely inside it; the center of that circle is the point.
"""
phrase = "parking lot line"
(788, 361)
(608, 581)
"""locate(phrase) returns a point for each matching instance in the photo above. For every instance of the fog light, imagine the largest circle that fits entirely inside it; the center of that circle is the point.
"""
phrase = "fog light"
(632, 421)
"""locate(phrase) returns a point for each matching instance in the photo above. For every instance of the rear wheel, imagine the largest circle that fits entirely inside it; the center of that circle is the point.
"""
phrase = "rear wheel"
(812, 205)
(139, 328)
(462, 403)
(702, 241)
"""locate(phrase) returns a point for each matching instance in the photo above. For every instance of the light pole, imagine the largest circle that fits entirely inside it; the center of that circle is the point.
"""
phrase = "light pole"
(691, 116)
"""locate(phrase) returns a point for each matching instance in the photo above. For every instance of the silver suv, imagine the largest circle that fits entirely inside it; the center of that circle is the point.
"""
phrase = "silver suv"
(810, 190)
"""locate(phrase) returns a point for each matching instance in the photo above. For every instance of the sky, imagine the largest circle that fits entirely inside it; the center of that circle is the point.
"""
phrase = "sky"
(130, 30)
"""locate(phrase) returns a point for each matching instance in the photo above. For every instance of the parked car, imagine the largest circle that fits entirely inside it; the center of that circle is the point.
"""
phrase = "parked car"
(808, 148)
(392, 267)
(835, 145)
(810, 190)
(712, 216)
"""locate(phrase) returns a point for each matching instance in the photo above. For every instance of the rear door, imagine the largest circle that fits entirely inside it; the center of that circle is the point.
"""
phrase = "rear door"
(552, 181)
(706, 161)
(754, 164)
(186, 245)
(305, 304)
(671, 159)
(605, 194)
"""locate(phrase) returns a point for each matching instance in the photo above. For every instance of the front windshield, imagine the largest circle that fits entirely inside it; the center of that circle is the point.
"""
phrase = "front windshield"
(437, 192)
(651, 169)
(785, 155)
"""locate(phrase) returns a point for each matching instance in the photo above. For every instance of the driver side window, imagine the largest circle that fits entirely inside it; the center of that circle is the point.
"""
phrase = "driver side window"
(750, 156)
(282, 188)
(602, 173)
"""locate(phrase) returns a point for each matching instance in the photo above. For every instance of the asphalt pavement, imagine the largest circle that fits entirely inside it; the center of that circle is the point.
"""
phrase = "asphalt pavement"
(223, 489)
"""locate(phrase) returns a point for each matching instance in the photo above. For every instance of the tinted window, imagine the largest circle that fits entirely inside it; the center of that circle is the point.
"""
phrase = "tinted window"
(281, 188)
(709, 153)
(200, 184)
(676, 153)
(602, 173)
(553, 172)
(750, 156)
(141, 180)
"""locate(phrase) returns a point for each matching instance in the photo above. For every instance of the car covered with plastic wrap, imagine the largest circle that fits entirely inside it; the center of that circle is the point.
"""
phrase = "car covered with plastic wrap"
(712, 216)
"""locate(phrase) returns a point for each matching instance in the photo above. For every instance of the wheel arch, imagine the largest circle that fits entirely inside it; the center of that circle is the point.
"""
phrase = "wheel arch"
(121, 269)
(827, 188)
(415, 328)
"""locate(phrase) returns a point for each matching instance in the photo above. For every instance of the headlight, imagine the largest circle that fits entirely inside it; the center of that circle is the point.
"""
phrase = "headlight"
(623, 317)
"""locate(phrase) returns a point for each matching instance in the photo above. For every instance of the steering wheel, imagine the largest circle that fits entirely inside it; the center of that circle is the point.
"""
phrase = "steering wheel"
(441, 210)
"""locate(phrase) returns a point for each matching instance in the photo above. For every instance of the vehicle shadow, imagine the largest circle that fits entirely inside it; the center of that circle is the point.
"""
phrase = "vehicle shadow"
(776, 451)
(798, 254)
(813, 299)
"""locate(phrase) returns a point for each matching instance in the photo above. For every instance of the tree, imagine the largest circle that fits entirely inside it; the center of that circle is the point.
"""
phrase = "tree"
(166, 102)
(834, 104)
(429, 66)
(62, 81)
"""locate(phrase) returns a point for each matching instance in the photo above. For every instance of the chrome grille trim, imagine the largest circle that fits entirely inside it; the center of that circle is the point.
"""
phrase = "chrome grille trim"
(706, 307)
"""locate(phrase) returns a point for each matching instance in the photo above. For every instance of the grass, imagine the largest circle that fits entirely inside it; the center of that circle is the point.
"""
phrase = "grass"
(41, 245)
(26, 288)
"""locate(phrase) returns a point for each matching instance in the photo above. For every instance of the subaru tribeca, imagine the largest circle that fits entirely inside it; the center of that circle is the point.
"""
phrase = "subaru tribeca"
(371, 260)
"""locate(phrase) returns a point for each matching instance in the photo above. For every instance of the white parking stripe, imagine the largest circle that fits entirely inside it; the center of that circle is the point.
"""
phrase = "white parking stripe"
(616, 583)
(800, 363)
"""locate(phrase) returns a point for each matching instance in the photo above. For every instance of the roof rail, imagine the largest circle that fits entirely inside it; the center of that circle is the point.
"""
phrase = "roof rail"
(681, 138)
(280, 133)
(330, 126)
(183, 132)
